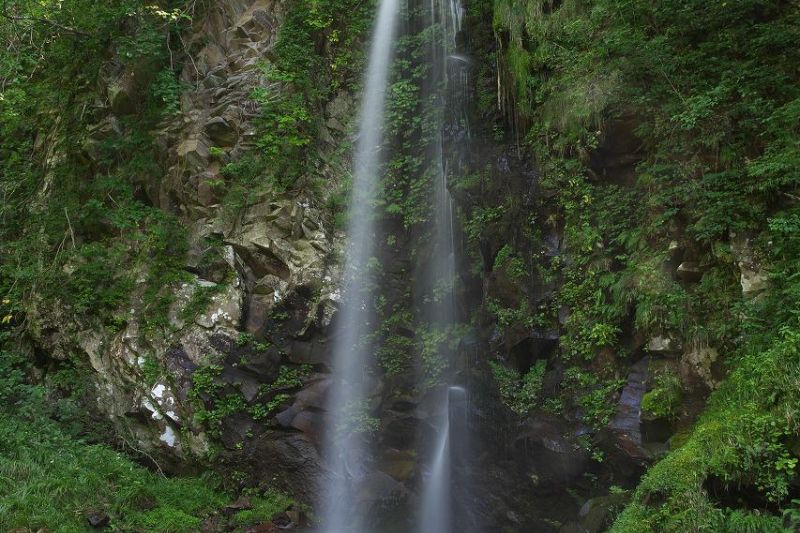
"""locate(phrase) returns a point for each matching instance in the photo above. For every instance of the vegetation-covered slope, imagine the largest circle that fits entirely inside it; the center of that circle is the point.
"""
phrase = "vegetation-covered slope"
(55, 476)
(701, 99)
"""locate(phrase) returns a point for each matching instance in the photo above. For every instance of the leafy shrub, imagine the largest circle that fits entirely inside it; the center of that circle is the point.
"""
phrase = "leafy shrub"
(519, 392)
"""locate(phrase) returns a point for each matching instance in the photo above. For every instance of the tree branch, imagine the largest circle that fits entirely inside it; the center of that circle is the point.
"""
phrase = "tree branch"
(47, 22)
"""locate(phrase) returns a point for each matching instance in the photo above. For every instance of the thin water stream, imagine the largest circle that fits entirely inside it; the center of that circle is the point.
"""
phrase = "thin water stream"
(345, 449)
(449, 71)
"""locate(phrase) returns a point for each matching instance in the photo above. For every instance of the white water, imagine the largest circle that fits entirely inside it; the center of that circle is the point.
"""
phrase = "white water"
(345, 449)
(436, 506)
(437, 502)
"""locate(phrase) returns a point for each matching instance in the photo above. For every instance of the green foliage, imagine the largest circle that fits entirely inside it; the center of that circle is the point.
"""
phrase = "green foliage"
(50, 481)
(593, 395)
(90, 287)
(713, 112)
(290, 377)
(481, 220)
(358, 419)
(243, 339)
(411, 119)
(395, 354)
(66, 244)
(316, 54)
(15, 391)
(151, 371)
(211, 403)
(214, 400)
(512, 263)
(507, 317)
(519, 392)
(434, 346)
(664, 400)
(165, 93)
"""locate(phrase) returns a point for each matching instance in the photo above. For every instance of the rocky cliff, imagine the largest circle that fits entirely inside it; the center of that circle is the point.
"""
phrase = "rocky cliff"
(220, 359)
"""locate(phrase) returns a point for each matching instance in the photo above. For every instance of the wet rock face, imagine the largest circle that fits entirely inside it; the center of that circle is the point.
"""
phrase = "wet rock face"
(619, 151)
(547, 446)
(627, 424)
(663, 345)
(699, 368)
(290, 459)
(596, 515)
(283, 252)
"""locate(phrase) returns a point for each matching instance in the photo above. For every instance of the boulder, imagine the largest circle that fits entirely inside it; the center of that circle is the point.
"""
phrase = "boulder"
(193, 152)
(596, 514)
(385, 501)
(754, 282)
(310, 352)
(209, 58)
(545, 447)
(122, 97)
(221, 132)
(696, 367)
(313, 395)
(290, 460)
(689, 271)
(235, 430)
(259, 311)
(208, 187)
(98, 519)
(663, 345)
(242, 504)
(400, 464)
(618, 151)
(225, 309)
(311, 423)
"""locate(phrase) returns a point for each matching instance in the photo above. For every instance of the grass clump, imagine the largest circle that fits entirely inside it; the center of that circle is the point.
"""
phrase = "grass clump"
(51, 481)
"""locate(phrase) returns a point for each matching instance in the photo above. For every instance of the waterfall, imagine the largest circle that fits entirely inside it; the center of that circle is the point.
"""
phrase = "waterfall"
(450, 82)
(437, 506)
(345, 449)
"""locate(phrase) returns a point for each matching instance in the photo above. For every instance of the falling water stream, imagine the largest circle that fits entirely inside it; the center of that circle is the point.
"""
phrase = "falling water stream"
(344, 448)
(448, 71)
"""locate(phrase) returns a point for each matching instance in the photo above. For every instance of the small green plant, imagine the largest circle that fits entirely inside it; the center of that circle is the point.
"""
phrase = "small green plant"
(216, 152)
(664, 400)
(519, 392)
(201, 299)
(151, 370)
(165, 93)
(243, 339)
(211, 403)
(280, 316)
